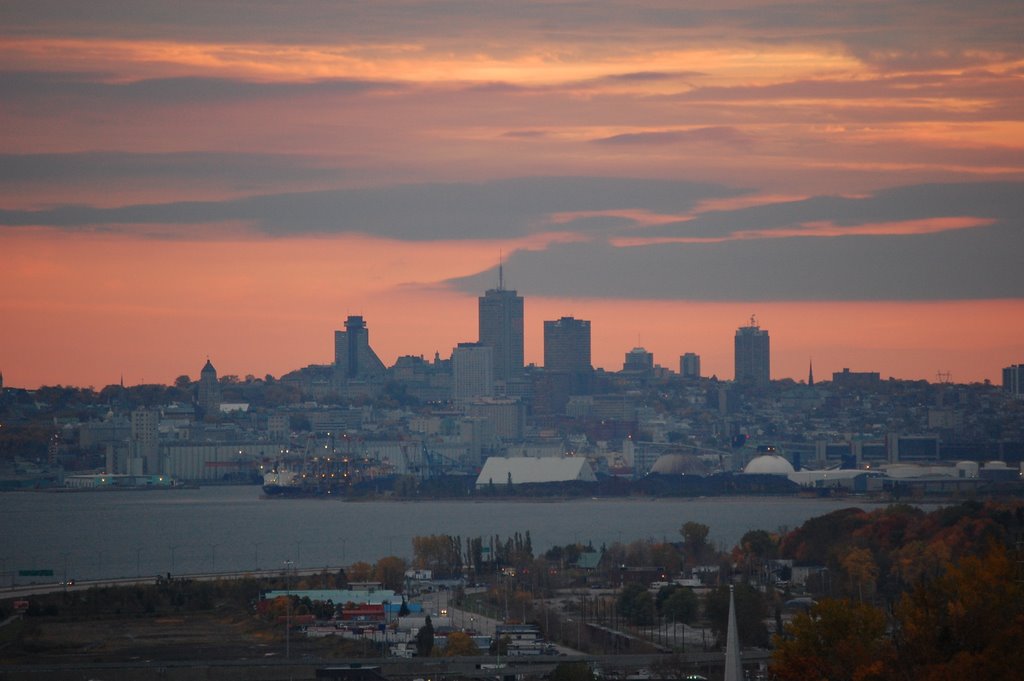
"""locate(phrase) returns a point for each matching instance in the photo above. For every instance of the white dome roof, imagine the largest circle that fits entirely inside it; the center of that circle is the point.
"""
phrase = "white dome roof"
(678, 464)
(772, 464)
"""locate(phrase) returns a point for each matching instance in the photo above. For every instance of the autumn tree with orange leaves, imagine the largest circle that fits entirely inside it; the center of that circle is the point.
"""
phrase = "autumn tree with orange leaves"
(955, 595)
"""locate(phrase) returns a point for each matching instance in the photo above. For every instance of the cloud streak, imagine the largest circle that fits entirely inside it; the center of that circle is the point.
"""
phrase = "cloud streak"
(824, 229)
(507, 208)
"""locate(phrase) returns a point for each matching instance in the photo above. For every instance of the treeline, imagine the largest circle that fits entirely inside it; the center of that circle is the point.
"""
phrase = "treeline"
(878, 556)
(923, 596)
(448, 556)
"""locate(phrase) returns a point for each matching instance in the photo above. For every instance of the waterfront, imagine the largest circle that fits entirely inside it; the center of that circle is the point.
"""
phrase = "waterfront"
(127, 533)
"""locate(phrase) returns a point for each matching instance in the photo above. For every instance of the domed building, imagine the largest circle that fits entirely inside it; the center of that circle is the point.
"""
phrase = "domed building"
(679, 464)
(769, 464)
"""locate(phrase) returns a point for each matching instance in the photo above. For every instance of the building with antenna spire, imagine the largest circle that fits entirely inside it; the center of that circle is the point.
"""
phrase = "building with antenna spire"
(501, 328)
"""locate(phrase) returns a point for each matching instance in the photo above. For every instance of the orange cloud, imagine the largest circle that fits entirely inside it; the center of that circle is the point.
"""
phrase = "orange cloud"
(533, 63)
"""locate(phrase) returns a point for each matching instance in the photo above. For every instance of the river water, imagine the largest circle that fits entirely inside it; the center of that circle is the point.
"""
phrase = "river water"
(128, 533)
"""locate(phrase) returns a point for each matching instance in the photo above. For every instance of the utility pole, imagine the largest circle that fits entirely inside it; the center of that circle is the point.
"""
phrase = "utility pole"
(288, 611)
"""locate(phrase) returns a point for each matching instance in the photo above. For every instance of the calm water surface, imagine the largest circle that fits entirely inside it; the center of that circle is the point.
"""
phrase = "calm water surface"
(124, 534)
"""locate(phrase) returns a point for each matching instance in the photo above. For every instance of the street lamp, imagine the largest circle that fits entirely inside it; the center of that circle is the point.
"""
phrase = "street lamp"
(213, 557)
(173, 547)
(65, 555)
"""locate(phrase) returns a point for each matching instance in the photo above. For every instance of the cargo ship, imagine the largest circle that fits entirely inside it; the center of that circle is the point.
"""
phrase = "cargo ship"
(320, 471)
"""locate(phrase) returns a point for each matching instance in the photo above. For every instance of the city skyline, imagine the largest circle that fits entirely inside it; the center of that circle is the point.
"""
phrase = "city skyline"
(206, 182)
(726, 358)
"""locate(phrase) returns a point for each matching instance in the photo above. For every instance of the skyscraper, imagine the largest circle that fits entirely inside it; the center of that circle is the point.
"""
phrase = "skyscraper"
(501, 329)
(1013, 379)
(144, 446)
(752, 355)
(209, 392)
(472, 371)
(689, 365)
(353, 356)
(567, 346)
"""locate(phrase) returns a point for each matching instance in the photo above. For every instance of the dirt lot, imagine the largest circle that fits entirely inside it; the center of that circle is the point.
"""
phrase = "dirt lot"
(203, 636)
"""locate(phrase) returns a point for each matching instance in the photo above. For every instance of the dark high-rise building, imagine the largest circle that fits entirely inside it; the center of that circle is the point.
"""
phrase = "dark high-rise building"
(209, 392)
(567, 346)
(638, 361)
(1013, 380)
(689, 365)
(353, 357)
(752, 355)
(501, 328)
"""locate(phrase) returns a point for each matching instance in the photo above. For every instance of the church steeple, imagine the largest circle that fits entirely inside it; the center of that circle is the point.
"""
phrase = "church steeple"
(733, 661)
(810, 373)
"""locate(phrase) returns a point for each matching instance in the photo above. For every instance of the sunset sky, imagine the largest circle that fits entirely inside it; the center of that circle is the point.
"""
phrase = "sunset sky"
(231, 179)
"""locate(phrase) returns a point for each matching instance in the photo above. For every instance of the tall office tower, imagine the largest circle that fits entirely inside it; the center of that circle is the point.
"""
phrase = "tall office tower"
(144, 445)
(752, 355)
(472, 371)
(567, 346)
(209, 392)
(1013, 380)
(353, 357)
(689, 365)
(501, 328)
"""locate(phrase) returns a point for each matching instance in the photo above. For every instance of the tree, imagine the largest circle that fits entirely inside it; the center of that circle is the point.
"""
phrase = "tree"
(360, 571)
(759, 544)
(666, 556)
(390, 572)
(636, 605)
(836, 640)
(814, 541)
(425, 639)
(695, 541)
(681, 605)
(460, 644)
(439, 553)
(967, 623)
(860, 566)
